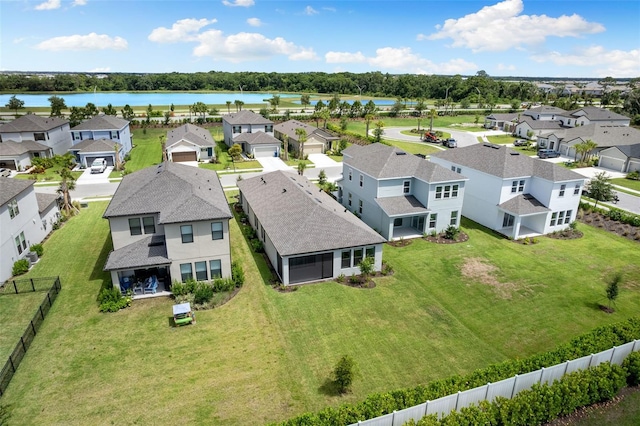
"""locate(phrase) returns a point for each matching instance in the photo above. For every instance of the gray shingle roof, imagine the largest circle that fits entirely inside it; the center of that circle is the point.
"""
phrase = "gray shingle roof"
(289, 128)
(604, 135)
(245, 117)
(177, 192)
(190, 133)
(384, 162)
(524, 204)
(498, 160)
(507, 116)
(102, 122)
(45, 200)
(541, 124)
(13, 148)
(401, 205)
(544, 109)
(632, 151)
(300, 218)
(596, 114)
(32, 123)
(10, 188)
(95, 145)
(149, 251)
(256, 138)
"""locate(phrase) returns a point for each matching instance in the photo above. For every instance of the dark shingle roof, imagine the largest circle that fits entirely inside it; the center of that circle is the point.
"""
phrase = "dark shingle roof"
(13, 148)
(541, 124)
(605, 136)
(99, 145)
(404, 204)
(289, 128)
(384, 162)
(523, 204)
(300, 218)
(102, 122)
(177, 192)
(45, 200)
(245, 117)
(632, 151)
(149, 251)
(498, 160)
(32, 123)
(190, 133)
(596, 114)
(10, 188)
(256, 138)
(544, 109)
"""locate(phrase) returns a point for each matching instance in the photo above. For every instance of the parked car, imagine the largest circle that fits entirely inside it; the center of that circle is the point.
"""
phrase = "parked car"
(520, 142)
(5, 172)
(548, 153)
(450, 143)
(99, 165)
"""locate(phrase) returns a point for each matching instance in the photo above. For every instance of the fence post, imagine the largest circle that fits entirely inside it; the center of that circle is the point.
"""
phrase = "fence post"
(12, 366)
(515, 381)
(541, 374)
(613, 352)
(426, 407)
(566, 367)
(590, 360)
(41, 313)
(33, 287)
(49, 298)
(33, 327)
(393, 417)
(486, 394)
(24, 347)
(15, 287)
(457, 400)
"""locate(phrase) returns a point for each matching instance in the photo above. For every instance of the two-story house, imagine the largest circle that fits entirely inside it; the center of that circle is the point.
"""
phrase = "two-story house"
(189, 143)
(26, 218)
(565, 140)
(252, 132)
(100, 137)
(306, 234)
(512, 193)
(32, 136)
(171, 221)
(318, 140)
(590, 115)
(400, 195)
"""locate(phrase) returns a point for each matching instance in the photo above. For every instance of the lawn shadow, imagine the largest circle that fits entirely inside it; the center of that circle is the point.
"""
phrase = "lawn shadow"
(471, 225)
(329, 388)
(593, 305)
(97, 271)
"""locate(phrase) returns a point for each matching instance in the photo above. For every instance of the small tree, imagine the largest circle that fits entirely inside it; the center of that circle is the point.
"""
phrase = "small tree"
(600, 188)
(235, 151)
(302, 138)
(57, 105)
(378, 131)
(301, 167)
(366, 267)
(613, 289)
(15, 104)
(67, 184)
(322, 178)
(344, 373)
(110, 110)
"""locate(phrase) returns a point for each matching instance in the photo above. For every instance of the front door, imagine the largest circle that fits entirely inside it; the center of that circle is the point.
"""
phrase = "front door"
(418, 223)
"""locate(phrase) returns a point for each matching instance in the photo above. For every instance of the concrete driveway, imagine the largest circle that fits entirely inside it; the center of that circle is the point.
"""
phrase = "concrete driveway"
(322, 161)
(91, 178)
(270, 164)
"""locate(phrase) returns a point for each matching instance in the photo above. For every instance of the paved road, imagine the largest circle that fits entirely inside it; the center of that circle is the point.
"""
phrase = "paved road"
(463, 138)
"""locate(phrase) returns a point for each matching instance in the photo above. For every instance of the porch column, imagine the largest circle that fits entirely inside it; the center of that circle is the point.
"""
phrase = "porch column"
(516, 227)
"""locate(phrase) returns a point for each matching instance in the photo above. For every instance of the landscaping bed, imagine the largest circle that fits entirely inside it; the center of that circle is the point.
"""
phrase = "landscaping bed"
(441, 238)
(600, 220)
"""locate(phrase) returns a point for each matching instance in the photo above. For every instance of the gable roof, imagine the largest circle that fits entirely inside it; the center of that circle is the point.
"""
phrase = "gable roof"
(544, 110)
(300, 218)
(604, 135)
(540, 124)
(32, 123)
(13, 148)
(256, 138)
(289, 128)
(401, 205)
(385, 162)
(45, 200)
(190, 133)
(95, 145)
(507, 116)
(10, 188)
(176, 192)
(505, 163)
(596, 114)
(148, 251)
(245, 117)
(524, 204)
(102, 122)
(632, 151)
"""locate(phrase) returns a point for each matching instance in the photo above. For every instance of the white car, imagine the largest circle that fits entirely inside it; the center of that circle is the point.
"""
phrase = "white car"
(99, 165)
(5, 172)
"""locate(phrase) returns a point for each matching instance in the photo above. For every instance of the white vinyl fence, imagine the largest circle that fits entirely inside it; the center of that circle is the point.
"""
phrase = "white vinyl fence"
(507, 388)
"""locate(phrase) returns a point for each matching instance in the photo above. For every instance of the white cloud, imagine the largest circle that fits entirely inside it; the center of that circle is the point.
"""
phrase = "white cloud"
(101, 69)
(330, 9)
(79, 3)
(502, 26)
(403, 60)
(182, 30)
(241, 3)
(254, 22)
(90, 41)
(247, 47)
(49, 5)
(310, 11)
(616, 63)
(503, 67)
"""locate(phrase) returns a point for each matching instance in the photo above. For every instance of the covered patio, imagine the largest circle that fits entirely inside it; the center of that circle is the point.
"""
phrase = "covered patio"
(407, 217)
(523, 216)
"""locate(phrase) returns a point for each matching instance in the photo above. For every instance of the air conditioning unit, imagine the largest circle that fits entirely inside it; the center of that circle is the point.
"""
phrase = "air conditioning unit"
(32, 256)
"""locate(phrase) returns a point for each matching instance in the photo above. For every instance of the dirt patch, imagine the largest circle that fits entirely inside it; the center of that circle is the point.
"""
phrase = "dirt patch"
(567, 234)
(598, 220)
(399, 243)
(479, 270)
(441, 239)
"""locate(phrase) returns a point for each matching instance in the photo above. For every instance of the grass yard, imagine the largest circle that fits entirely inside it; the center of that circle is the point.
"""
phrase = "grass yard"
(501, 139)
(146, 151)
(627, 183)
(415, 148)
(16, 310)
(267, 356)
(294, 162)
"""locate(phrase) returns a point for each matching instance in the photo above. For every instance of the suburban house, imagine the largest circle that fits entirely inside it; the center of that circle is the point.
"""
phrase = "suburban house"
(26, 218)
(189, 143)
(245, 128)
(400, 195)
(505, 121)
(42, 136)
(307, 235)
(100, 137)
(589, 115)
(621, 158)
(565, 139)
(170, 221)
(512, 193)
(318, 140)
(529, 128)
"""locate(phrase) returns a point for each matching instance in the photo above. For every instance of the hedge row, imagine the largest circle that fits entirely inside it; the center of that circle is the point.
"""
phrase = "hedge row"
(597, 340)
(542, 403)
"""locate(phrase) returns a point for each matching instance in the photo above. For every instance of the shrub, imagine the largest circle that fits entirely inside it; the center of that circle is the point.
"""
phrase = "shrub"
(386, 268)
(178, 288)
(203, 293)
(340, 278)
(634, 175)
(451, 232)
(222, 284)
(237, 274)
(632, 367)
(37, 248)
(344, 373)
(257, 246)
(20, 267)
(190, 285)
(111, 300)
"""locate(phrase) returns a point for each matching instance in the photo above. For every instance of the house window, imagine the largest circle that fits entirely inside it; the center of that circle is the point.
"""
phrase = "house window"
(562, 188)
(345, 259)
(361, 180)
(13, 208)
(560, 218)
(458, 170)
(576, 189)
(360, 206)
(185, 271)
(357, 257)
(187, 233)
(216, 231)
(567, 217)
(264, 234)
(201, 271)
(149, 225)
(134, 226)
(406, 186)
(268, 128)
(21, 244)
(38, 137)
(454, 191)
(517, 186)
(216, 268)
(114, 134)
(554, 217)
(77, 136)
(349, 202)
(453, 168)
(350, 174)
(397, 221)
(438, 192)
(371, 252)
(433, 218)
(507, 220)
(454, 218)
(237, 129)
(521, 186)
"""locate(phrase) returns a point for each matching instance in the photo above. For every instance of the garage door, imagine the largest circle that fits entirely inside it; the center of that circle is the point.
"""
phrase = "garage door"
(611, 163)
(178, 157)
(264, 151)
(634, 166)
(313, 149)
(310, 268)
(8, 164)
(109, 159)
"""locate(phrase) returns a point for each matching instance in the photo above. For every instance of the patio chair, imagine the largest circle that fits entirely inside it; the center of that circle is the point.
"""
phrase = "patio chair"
(151, 285)
(125, 285)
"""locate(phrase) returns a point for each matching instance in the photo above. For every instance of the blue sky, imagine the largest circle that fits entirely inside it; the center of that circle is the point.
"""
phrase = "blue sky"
(564, 38)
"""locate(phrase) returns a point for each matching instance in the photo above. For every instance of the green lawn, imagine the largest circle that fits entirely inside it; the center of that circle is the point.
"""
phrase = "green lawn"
(294, 162)
(624, 412)
(266, 356)
(627, 183)
(50, 174)
(16, 310)
(146, 151)
(501, 139)
(415, 148)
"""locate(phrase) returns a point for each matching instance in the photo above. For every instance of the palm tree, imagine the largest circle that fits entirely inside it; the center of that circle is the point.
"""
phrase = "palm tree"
(163, 147)
(67, 184)
(228, 107)
(325, 114)
(590, 146)
(302, 138)
(285, 147)
(367, 120)
(118, 164)
(432, 115)
(378, 132)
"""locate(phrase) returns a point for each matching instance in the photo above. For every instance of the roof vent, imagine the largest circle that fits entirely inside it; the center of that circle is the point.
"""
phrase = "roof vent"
(401, 153)
(514, 153)
(318, 200)
(308, 192)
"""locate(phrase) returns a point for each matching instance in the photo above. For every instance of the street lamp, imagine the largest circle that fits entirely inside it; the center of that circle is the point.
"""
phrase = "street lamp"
(446, 100)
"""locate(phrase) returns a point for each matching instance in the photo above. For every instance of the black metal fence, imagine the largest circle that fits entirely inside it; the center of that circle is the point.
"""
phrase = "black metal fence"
(29, 334)
(26, 285)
